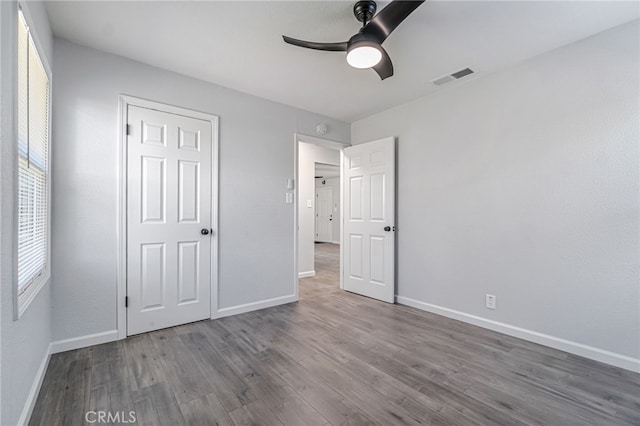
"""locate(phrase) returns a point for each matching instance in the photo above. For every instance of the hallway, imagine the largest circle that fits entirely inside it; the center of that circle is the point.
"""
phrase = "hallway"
(327, 267)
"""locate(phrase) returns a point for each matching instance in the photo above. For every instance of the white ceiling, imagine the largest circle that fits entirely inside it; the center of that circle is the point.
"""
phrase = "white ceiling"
(238, 44)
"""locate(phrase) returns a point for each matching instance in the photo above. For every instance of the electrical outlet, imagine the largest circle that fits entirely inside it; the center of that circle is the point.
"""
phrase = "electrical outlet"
(490, 301)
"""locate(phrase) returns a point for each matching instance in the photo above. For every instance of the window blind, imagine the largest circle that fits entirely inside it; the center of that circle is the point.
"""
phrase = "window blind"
(33, 150)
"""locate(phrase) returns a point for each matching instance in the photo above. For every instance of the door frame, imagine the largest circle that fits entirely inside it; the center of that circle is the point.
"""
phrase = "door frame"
(325, 143)
(124, 102)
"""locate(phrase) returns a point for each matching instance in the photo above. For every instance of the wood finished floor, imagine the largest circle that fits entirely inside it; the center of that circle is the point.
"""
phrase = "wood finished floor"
(334, 358)
(327, 267)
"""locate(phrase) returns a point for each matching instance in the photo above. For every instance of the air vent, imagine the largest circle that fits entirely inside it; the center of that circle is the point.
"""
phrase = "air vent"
(452, 77)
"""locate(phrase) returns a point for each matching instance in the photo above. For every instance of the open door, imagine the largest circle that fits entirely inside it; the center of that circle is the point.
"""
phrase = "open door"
(369, 219)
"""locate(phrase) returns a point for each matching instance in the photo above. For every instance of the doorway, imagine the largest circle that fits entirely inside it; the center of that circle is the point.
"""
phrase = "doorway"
(327, 205)
(327, 234)
(318, 216)
(367, 215)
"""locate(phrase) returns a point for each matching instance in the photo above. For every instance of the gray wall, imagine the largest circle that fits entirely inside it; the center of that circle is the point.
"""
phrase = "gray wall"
(25, 342)
(256, 159)
(524, 184)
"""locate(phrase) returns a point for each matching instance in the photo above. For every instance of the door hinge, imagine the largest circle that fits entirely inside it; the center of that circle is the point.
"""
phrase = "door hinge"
(126, 301)
(128, 129)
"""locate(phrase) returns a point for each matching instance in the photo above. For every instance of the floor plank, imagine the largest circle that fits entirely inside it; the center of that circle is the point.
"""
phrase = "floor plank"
(334, 358)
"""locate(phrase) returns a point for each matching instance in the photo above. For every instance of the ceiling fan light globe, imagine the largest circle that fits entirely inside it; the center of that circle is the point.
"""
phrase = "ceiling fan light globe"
(363, 56)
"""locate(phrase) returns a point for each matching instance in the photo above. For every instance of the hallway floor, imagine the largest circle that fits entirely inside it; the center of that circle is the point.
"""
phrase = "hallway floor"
(327, 267)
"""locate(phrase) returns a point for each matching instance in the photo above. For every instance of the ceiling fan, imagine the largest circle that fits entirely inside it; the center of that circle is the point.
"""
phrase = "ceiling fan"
(364, 49)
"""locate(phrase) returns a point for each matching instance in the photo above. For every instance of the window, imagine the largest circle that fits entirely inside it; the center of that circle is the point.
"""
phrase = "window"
(33, 169)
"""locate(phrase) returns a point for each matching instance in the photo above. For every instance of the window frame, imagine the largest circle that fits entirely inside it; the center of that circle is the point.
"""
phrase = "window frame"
(22, 301)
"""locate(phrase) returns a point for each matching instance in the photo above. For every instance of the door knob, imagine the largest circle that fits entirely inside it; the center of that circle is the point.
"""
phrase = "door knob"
(204, 231)
(387, 228)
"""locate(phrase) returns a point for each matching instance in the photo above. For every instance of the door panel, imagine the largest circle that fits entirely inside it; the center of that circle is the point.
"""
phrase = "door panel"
(355, 198)
(152, 283)
(376, 258)
(189, 194)
(189, 139)
(153, 189)
(355, 252)
(377, 198)
(369, 215)
(154, 134)
(188, 269)
(168, 204)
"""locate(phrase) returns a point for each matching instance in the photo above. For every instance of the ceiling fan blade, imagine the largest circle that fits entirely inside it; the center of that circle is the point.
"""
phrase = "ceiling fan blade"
(384, 68)
(389, 18)
(331, 47)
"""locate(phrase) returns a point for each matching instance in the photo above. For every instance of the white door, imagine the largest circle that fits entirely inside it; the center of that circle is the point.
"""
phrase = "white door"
(369, 215)
(324, 215)
(168, 219)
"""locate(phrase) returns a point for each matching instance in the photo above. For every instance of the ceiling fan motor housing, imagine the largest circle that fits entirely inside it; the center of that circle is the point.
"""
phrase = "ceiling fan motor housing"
(361, 39)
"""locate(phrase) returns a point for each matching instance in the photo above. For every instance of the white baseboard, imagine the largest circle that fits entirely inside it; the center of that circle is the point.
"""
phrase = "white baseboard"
(575, 348)
(306, 274)
(32, 397)
(254, 306)
(335, 242)
(84, 341)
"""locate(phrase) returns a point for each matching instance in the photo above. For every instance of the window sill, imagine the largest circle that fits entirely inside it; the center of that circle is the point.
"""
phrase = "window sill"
(24, 300)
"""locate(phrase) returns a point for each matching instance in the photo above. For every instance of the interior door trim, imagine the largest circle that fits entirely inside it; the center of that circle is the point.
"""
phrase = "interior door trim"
(124, 102)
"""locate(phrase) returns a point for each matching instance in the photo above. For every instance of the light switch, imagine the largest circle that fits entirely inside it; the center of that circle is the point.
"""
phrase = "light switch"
(289, 183)
(289, 198)
(309, 203)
